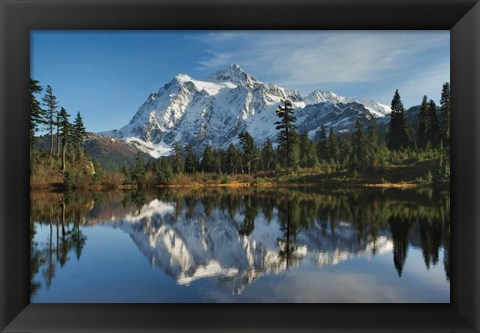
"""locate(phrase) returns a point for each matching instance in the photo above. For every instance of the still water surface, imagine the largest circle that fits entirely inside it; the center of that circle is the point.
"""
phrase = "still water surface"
(240, 245)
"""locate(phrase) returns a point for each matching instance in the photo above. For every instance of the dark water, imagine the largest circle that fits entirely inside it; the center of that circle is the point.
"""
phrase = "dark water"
(245, 245)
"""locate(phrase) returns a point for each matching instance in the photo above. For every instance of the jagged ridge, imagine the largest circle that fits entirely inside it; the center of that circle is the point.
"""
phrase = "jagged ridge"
(213, 112)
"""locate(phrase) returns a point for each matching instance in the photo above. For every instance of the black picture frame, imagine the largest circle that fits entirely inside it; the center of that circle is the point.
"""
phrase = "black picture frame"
(18, 17)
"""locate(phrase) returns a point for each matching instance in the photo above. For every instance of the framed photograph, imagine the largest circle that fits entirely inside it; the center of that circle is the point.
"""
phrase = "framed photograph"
(226, 166)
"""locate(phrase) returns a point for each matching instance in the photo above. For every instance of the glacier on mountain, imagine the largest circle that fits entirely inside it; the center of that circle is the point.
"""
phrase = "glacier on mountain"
(213, 112)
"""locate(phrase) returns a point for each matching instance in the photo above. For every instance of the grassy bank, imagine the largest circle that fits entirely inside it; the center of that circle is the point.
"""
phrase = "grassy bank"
(403, 176)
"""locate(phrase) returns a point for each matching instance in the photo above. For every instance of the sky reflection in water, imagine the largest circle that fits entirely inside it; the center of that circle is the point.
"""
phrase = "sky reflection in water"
(245, 245)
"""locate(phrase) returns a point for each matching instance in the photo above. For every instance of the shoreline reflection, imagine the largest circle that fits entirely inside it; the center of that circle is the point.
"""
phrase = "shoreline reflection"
(233, 237)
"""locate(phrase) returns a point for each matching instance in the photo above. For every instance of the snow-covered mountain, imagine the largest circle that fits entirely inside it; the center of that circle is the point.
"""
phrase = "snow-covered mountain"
(213, 112)
(321, 96)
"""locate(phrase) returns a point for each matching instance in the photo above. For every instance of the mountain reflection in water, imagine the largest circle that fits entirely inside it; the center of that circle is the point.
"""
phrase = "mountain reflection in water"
(233, 238)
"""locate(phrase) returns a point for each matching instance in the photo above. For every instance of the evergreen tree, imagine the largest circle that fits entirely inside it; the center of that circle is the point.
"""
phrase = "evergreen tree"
(139, 170)
(57, 124)
(178, 162)
(37, 114)
(433, 129)
(321, 139)
(126, 173)
(208, 160)
(360, 146)
(295, 150)
(332, 145)
(445, 113)
(308, 153)
(190, 160)
(99, 172)
(50, 101)
(65, 131)
(423, 117)
(345, 152)
(79, 133)
(233, 161)
(287, 128)
(218, 157)
(268, 156)
(250, 152)
(373, 143)
(164, 170)
(399, 130)
(373, 131)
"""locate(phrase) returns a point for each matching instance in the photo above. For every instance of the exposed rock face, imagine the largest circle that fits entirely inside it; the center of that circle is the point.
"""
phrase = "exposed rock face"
(215, 111)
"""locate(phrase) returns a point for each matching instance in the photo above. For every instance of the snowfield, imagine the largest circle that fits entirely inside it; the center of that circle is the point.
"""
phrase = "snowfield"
(215, 111)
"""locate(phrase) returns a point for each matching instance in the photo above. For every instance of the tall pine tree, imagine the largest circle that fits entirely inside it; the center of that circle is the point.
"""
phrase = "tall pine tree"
(333, 150)
(433, 129)
(268, 156)
(65, 132)
(79, 133)
(208, 160)
(374, 144)
(399, 129)
(233, 160)
(308, 153)
(57, 124)
(321, 140)
(37, 114)
(50, 101)
(178, 162)
(139, 170)
(445, 114)
(190, 160)
(250, 151)
(287, 134)
(423, 117)
(360, 146)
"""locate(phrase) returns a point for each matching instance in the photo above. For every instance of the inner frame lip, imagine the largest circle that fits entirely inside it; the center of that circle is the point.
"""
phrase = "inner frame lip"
(445, 15)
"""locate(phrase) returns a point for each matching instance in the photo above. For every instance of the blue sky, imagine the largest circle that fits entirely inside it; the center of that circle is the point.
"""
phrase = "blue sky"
(107, 75)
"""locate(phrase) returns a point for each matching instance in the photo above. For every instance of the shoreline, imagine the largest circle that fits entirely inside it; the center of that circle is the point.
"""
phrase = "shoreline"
(62, 188)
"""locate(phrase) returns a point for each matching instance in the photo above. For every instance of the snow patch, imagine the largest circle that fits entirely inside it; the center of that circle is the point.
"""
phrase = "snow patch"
(214, 111)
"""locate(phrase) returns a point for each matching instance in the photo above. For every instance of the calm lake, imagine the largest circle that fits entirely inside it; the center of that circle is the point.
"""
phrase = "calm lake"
(241, 245)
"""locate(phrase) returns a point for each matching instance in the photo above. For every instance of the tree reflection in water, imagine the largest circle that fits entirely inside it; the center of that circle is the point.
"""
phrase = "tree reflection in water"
(46, 257)
(335, 222)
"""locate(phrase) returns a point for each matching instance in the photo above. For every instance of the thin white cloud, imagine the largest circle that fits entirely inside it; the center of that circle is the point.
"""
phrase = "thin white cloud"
(317, 58)
(216, 60)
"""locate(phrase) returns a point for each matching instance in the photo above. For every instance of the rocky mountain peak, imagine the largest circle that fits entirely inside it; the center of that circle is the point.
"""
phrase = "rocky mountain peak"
(235, 74)
(214, 111)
